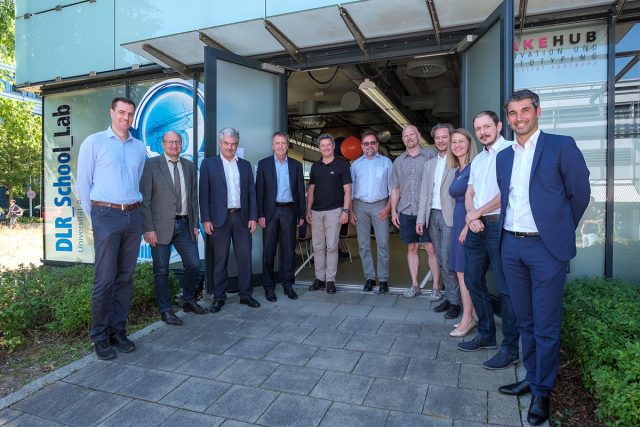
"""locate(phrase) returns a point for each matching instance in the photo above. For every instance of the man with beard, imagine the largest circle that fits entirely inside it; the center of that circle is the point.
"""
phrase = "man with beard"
(482, 247)
(371, 175)
(435, 214)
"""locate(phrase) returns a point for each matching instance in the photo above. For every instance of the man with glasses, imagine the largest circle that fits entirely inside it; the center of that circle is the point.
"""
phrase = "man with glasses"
(371, 176)
(170, 216)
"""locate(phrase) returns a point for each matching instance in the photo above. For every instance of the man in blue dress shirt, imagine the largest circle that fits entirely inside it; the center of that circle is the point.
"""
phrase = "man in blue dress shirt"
(110, 166)
(371, 176)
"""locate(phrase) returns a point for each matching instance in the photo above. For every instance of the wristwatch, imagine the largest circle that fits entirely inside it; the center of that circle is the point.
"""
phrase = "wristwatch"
(345, 210)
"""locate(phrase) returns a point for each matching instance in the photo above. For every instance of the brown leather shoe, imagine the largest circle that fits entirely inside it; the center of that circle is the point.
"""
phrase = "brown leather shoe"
(170, 318)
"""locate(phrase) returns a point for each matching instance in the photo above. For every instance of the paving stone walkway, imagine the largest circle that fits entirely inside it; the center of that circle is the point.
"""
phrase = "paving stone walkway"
(349, 359)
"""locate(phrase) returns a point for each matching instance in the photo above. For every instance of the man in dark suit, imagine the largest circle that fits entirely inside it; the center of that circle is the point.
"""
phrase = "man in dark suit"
(170, 217)
(544, 190)
(281, 207)
(228, 211)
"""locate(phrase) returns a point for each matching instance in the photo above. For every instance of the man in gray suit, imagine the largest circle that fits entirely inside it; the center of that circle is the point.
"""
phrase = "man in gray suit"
(435, 214)
(170, 214)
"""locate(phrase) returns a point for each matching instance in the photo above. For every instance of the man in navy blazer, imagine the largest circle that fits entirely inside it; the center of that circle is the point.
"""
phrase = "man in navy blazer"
(544, 190)
(228, 211)
(281, 207)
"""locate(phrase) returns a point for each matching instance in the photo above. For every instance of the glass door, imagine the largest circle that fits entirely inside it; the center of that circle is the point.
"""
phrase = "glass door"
(250, 97)
(487, 67)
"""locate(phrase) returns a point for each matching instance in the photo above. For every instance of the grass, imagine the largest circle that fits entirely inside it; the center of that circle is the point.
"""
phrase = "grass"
(21, 245)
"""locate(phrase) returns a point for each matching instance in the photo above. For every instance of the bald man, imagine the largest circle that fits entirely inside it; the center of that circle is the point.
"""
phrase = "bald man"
(405, 197)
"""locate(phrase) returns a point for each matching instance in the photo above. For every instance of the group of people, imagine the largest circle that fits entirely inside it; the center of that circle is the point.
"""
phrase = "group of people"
(513, 207)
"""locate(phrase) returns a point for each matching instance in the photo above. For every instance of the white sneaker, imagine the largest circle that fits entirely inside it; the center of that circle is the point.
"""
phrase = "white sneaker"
(436, 295)
(414, 291)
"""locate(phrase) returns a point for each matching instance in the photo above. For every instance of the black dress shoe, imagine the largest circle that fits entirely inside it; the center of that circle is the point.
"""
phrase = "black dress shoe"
(538, 410)
(288, 291)
(317, 285)
(122, 343)
(368, 287)
(270, 295)
(331, 288)
(250, 302)
(194, 307)
(170, 318)
(216, 306)
(515, 389)
(384, 287)
(443, 306)
(453, 312)
(103, 350)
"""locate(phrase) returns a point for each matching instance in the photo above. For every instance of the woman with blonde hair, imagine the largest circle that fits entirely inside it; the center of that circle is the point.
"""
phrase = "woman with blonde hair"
(462, 149)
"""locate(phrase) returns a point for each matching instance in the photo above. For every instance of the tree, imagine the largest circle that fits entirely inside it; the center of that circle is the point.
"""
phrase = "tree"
(7, 34)
(20, 145)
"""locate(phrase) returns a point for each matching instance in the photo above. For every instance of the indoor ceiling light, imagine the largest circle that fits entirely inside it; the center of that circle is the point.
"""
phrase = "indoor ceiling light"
(370, 89)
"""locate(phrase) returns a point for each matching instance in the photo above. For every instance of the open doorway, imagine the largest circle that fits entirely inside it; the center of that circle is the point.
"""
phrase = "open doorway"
(422, 90)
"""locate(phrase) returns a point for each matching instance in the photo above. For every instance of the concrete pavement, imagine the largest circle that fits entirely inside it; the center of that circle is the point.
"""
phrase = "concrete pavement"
(348, 359)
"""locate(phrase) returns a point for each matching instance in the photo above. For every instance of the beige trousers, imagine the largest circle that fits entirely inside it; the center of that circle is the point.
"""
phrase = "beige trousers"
(325, 235)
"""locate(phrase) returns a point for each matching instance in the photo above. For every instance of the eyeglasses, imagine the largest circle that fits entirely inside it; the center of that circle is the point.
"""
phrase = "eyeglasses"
(366, 144)
(173, 142)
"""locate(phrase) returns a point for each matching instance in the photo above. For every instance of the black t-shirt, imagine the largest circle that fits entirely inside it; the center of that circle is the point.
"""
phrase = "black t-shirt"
(328, 179)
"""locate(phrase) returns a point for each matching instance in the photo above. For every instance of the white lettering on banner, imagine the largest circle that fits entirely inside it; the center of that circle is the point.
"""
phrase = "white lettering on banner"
(62, 185)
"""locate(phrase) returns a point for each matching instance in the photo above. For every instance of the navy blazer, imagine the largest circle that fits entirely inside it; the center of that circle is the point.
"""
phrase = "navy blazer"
(267, 187)
(559, 191)
(213, 192)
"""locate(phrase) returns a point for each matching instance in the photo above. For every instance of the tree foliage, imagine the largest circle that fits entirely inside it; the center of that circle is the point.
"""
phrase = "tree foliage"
(7, 33)
(20, 145)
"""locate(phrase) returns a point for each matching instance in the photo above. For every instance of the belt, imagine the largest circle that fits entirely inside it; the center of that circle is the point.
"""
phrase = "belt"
(116, 205)
(178, 217)
(233, 210)
(490, 218)
(284, 204)
(522, 233)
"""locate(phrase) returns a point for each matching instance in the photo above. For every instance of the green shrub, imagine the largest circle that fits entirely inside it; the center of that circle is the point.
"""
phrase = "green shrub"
(29, 220)
(23, 304)
(59, 299)
(601, 327)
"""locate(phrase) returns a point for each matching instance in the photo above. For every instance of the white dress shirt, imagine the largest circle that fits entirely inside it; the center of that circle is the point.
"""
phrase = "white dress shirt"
(518, 216)
(183, 188)
(232, 176)
(483, 175)
(437, 182)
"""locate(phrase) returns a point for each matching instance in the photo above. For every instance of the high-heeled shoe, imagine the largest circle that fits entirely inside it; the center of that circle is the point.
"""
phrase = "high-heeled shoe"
(458, 332)
(475, 319)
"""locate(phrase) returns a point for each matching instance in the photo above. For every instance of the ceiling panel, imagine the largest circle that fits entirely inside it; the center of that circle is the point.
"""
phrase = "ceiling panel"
(463, 12)
(379, 18)
(245, 38)
(315, 27)
(185, 47)
(536, 7)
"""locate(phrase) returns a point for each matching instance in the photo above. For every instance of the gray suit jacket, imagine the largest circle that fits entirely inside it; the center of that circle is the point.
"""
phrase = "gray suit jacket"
(159, 198)
(426, 191)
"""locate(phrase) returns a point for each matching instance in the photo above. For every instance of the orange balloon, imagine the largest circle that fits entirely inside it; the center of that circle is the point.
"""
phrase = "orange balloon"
(351, 148)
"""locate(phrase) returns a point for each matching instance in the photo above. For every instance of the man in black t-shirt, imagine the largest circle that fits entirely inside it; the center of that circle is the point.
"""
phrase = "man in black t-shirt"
(328, 201)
